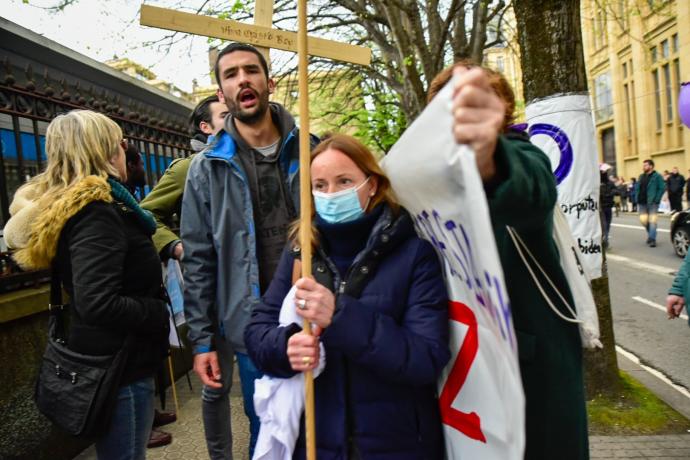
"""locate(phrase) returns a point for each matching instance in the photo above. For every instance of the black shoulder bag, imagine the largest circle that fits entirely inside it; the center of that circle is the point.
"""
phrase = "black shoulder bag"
(76, 392)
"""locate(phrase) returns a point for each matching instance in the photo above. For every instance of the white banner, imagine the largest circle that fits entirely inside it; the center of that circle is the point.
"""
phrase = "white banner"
(562, 126)
(481, 398)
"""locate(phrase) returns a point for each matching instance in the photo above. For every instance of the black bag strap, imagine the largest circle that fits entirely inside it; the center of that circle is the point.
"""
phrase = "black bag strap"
(56, 307)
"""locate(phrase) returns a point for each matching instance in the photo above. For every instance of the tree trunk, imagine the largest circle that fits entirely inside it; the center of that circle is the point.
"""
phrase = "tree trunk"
(552, 62)
(550, 47)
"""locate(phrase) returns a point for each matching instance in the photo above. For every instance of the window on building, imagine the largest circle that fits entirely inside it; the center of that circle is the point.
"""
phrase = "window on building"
(601, 17)
(665, 51)
(652, 52)
(623, 14)
(632, 106)
(674, 43)
(603, 98)
(628, 95)
(500, 65)
(676, 80)
(628, 110)
(608, 146)
(657, 98)
(669, 92)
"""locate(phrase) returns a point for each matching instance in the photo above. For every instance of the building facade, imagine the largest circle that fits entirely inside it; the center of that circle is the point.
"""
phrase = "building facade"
(637, 54)
(506, 60)
(138, 71)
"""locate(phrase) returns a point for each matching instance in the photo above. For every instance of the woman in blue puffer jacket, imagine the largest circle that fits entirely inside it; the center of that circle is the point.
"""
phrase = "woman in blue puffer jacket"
(380, 308)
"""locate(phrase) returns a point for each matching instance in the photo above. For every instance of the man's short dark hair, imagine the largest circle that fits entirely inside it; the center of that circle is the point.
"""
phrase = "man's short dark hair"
(132, 154)
(231, 48)
(651, 162)
(202, 112)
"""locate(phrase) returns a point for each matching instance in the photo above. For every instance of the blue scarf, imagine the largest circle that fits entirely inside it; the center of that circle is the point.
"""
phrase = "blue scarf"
(120, 193)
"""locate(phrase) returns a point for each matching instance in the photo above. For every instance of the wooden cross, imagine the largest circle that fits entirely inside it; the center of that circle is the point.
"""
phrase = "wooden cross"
(257, 35)
(263, 16)
(262, 35)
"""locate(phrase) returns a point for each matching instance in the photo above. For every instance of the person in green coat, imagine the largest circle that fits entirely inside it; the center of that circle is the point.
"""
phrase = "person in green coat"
(521, 193)
(165, 200)
(679, 291)
(651, 188)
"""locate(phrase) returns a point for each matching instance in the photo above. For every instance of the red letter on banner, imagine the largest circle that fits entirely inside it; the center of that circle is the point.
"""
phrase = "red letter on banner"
(467, 423)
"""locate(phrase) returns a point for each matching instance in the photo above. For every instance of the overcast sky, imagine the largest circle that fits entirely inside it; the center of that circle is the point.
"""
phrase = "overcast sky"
(102, 29)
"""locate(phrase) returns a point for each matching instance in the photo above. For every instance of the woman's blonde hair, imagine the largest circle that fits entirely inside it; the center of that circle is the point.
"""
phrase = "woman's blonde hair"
(79, 143)
(362, 157)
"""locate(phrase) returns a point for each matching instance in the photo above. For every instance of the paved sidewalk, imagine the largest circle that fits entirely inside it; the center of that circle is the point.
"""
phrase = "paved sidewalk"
(188, 433)
(674, 446)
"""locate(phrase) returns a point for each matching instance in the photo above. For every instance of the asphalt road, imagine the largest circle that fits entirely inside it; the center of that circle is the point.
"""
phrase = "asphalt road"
(639, 279)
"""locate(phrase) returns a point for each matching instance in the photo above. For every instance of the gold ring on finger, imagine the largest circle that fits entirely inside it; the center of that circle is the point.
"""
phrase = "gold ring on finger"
(306, 360)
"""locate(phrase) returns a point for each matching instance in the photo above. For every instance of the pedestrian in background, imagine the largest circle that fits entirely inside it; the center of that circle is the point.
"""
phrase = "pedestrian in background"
(79, 217)
(136, 175)
(674, 186)
(632, 193)
(165, 200)
(607, 190)
(136, 179)
(622, 189)
(617, 200)
(651, 189)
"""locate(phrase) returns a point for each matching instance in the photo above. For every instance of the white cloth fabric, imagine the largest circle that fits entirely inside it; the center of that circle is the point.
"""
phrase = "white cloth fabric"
(279, 402)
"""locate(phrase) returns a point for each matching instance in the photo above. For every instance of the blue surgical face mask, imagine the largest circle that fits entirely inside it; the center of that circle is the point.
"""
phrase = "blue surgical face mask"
(340, 206)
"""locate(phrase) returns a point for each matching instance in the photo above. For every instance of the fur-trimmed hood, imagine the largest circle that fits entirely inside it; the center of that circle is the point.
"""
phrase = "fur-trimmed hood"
(35, 231)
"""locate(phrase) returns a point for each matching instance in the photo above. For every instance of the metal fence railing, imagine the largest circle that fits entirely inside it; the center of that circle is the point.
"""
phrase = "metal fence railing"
(25, 112)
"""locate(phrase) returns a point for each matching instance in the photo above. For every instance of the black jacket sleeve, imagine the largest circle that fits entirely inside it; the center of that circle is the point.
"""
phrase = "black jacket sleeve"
(98, 246)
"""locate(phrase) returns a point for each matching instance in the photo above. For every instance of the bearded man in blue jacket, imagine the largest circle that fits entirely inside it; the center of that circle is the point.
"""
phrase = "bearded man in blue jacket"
(241, 193)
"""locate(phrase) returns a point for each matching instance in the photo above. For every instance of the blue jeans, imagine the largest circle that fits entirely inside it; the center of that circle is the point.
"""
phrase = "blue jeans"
(607, 223)
(131, 424)
(248, 375)
(648, 218)
(215, 403)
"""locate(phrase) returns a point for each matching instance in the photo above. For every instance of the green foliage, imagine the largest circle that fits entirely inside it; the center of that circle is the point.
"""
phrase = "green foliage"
(238, 6)
(635, 410)
(381, 127)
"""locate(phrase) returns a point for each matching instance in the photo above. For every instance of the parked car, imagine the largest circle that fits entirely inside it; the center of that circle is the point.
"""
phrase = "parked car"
(680, 232)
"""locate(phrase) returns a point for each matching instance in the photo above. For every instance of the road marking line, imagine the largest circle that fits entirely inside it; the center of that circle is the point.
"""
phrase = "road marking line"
(639, 227)
(643, 265)
(658, 374)
(656, 305)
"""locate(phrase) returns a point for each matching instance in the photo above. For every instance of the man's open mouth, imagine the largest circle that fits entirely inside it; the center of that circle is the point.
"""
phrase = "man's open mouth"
(247, 97)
